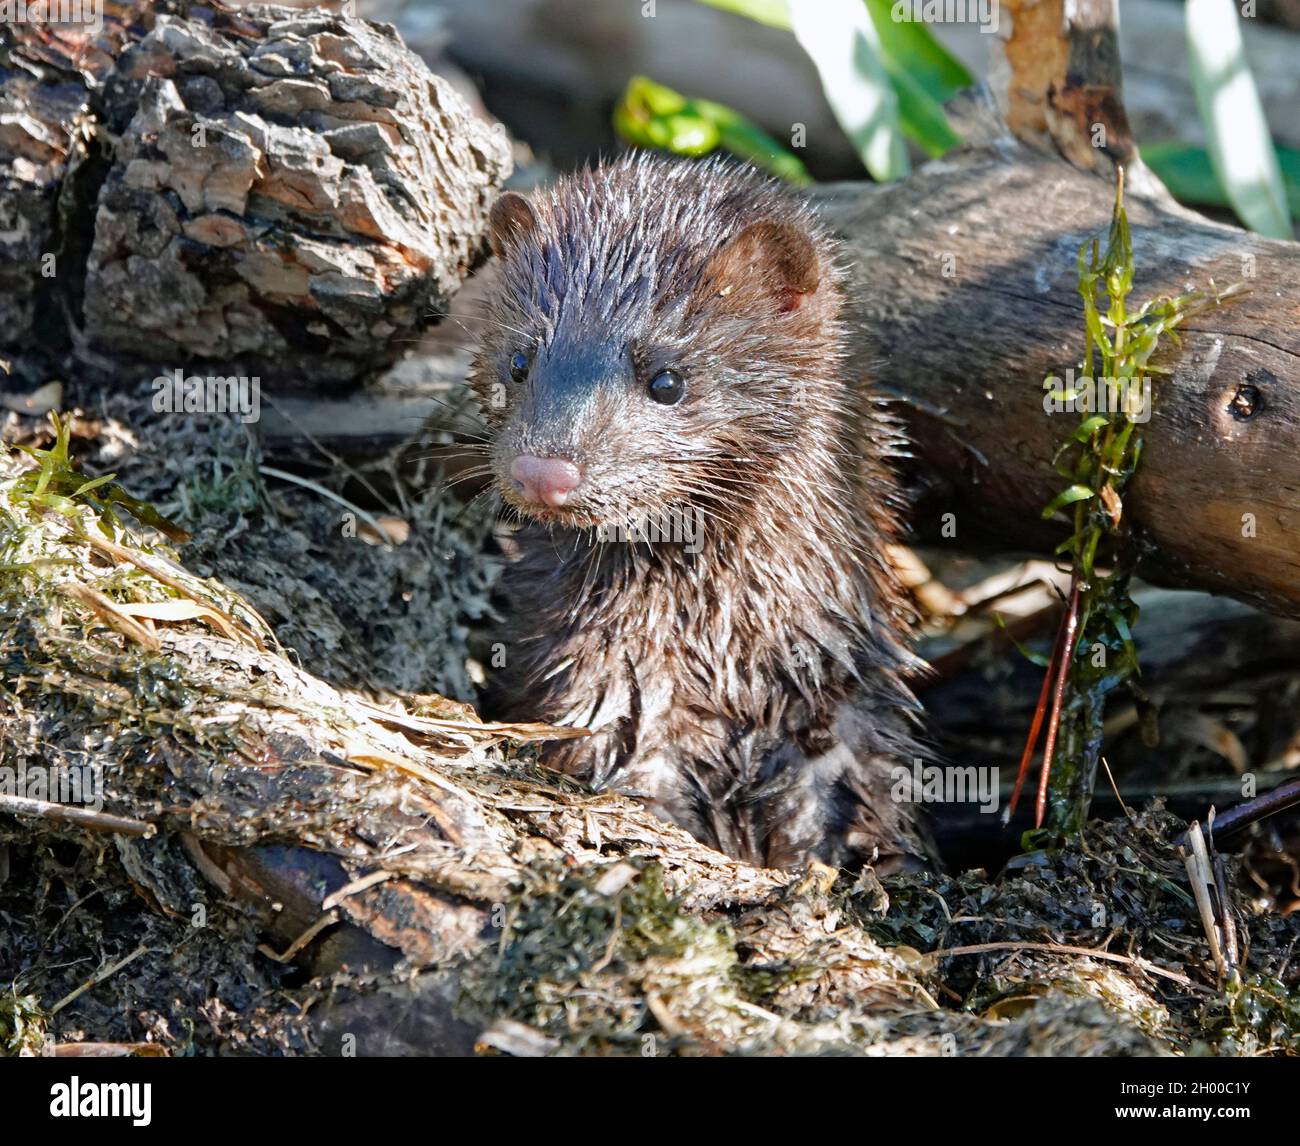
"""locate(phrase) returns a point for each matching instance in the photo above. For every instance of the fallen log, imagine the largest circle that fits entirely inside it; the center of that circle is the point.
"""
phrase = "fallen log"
(963, 291)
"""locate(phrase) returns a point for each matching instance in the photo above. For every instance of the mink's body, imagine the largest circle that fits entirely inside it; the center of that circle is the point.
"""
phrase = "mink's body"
(665, 340)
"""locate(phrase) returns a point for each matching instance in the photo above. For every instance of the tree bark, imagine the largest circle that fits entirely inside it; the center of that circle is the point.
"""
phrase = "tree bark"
(269, 191)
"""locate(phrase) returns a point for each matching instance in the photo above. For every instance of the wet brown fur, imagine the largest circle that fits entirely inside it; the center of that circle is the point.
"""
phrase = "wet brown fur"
(752, 691)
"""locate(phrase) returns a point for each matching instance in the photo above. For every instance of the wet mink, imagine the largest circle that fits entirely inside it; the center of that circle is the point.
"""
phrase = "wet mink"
(664, 351)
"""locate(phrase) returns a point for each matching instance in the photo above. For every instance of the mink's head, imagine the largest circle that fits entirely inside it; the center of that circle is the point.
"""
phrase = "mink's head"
(664, 335)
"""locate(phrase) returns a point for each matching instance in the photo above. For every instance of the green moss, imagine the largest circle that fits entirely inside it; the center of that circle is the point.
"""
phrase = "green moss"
(1258, 1015)
(580, 965)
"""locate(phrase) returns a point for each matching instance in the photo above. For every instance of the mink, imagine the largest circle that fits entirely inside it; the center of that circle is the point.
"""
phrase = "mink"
(706, 499)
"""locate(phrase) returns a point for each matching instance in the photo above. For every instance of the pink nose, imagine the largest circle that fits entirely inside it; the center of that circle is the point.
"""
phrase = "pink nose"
(547, 481)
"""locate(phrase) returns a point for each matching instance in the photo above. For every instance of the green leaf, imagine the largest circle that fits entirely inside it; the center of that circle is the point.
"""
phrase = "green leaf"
(652, 115)
(1090, 426)
(841, 39)
(925, 76)
(94, 483)
(1187, 171)
(922, 120)
(1120, 622)
(144, 513)
(1240, 147)
(911, 47)
(1039, 659)
(922, 72)
(1068, 496)
(747, 140)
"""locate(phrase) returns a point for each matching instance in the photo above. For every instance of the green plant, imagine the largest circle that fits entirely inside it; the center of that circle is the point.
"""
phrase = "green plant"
(1094, 650)
(652, 115)
(55, 486)
(886, 81)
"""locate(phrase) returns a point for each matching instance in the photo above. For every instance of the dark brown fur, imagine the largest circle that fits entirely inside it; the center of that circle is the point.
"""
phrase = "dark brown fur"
(751, 691)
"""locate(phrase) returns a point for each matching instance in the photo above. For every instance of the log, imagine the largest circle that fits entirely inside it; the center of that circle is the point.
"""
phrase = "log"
(1216, 500)
(272, 192)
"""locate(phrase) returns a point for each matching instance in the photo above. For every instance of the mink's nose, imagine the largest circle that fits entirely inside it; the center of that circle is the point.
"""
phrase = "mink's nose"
(546, 481)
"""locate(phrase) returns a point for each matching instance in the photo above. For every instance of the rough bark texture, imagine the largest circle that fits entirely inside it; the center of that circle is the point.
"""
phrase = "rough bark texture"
(274, 192)
(1063, 78)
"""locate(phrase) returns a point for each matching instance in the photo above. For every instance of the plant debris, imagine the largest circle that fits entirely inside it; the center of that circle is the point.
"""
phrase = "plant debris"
(434, 889)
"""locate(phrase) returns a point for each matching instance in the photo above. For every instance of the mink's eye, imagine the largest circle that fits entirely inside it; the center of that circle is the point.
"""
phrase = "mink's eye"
(519, 366)
(667, 387)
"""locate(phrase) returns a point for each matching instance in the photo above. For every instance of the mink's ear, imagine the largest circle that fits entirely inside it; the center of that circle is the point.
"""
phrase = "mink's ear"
(772, 260)
(510, 221)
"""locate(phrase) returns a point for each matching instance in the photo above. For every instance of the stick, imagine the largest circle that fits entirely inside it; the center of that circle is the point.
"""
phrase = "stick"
(84, 817)
(98, 978)
(1065, 949)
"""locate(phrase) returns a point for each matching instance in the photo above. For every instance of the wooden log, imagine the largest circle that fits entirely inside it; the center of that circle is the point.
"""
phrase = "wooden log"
(963, 297)
(285, 194)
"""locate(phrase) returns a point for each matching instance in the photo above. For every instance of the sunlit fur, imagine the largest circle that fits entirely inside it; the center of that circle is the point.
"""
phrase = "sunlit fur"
(752, 691)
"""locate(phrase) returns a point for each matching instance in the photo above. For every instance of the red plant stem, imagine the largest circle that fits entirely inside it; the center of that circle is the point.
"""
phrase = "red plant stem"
(1066, 654)
(1039, 712)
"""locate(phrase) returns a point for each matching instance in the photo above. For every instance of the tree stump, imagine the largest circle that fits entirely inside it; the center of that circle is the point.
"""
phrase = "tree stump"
(272, 192)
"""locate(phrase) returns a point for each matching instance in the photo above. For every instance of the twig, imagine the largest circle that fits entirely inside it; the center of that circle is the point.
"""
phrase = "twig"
(1197, 863)
(326, 920)
(1128, 812)
(122, 553)
(1267, 804)
(84, 817)
(1227, 921)
(107, 611)
(1058, 697)
(334, 899)
(109, 1050)
(1040, 711)
(98, 978)
(1065, 949)
(316, 487)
